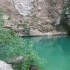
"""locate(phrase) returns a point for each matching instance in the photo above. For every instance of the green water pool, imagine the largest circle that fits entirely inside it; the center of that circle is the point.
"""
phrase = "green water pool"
(55, 50)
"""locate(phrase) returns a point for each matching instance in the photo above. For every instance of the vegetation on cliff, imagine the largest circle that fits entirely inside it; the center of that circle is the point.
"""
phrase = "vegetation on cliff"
(65, 18)
(16, 46)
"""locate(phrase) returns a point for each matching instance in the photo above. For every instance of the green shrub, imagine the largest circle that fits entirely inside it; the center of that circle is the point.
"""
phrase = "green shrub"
(65, 18)
(16, 46)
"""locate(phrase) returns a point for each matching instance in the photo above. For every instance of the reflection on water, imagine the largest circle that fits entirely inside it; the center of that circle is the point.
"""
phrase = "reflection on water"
(55, 50)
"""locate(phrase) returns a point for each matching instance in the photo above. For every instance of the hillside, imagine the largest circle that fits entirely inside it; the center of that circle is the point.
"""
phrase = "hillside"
(34, 17)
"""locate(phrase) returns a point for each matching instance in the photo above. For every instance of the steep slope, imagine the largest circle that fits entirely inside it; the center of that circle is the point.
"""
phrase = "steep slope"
(40, 18)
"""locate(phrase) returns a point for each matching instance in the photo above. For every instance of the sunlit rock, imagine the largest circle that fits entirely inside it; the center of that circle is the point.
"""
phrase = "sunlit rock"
(4, 66)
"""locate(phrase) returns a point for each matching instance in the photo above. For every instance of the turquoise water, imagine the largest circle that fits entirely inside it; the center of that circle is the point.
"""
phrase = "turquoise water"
(55, 50)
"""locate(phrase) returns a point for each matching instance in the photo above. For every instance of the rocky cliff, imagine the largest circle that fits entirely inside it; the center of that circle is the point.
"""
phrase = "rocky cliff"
(32, 17)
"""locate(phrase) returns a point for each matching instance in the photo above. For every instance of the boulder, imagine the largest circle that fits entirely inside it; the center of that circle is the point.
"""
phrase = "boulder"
(5, 66)
(16, 60)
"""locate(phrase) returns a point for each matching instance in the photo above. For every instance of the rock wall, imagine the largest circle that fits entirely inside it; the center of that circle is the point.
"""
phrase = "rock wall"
(37, 19)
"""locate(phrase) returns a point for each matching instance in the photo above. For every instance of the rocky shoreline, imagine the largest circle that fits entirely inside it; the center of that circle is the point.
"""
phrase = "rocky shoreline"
(40, 22)
(44, 34)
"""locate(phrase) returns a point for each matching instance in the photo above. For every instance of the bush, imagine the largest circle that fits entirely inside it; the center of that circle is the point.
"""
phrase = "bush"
(15, 46)
(65, 18)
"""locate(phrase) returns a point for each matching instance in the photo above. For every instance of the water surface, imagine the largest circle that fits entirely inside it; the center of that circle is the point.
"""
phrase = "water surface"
(55, 50)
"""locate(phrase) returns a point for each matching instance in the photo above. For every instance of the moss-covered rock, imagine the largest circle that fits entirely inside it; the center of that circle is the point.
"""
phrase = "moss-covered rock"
(65, 18)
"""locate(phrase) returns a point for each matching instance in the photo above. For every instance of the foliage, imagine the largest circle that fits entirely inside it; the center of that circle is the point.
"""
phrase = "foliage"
(30, 56)
(16, 46)
(65, 18)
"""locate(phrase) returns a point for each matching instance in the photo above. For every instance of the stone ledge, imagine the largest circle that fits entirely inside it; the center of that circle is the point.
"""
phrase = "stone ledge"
(45, 34)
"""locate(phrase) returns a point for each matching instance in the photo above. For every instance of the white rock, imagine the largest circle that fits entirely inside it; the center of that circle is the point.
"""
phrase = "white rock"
(5, 17)
(4, 66)
(23, 6)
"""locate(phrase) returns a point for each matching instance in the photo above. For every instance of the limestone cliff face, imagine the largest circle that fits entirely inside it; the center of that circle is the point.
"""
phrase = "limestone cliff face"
(36, 18)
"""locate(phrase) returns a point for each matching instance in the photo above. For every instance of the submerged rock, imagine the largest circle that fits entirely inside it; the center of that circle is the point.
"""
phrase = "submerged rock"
(4, 66)
(16, 60)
